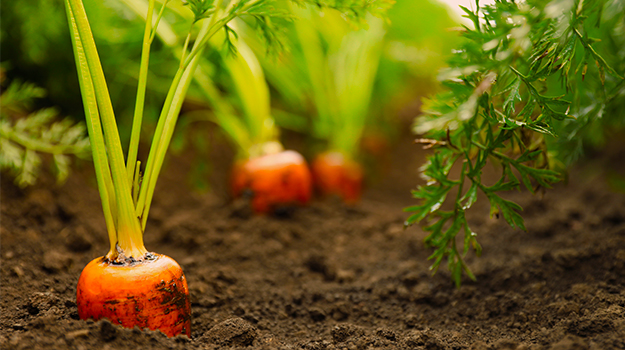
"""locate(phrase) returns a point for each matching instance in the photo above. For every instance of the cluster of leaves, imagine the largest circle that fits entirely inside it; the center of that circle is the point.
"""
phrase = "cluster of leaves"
(354, 10)
(201, 9)
(522, 80)
(270, 16)
(24, 135)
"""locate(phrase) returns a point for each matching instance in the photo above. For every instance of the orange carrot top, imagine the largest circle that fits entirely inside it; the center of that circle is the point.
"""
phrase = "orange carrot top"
(273, 180)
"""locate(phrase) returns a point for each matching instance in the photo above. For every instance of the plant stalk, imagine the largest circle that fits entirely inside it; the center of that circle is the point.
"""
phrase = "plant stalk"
(169, 114)
(129, 233)
(94, 128)
(137, 120)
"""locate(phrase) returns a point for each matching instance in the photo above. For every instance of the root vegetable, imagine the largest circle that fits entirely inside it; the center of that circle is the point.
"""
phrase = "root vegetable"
(273, 180)
(152, 294)
(335, 174)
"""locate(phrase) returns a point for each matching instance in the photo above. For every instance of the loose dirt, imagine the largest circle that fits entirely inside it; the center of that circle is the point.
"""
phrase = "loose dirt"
(327, 276)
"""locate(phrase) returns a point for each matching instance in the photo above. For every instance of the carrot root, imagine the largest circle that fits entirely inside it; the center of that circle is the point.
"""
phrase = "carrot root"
(335, 174)
(149, 294)
(274, 180)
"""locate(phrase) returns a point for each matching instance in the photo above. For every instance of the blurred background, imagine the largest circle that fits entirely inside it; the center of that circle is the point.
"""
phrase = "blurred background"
(413, 46)
(36, 47)
(337, 86)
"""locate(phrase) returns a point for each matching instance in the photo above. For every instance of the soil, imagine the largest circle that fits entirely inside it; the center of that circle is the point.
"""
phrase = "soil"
(327, 276)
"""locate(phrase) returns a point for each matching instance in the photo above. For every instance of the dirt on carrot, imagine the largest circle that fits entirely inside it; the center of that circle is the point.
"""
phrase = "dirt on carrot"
(328, 276)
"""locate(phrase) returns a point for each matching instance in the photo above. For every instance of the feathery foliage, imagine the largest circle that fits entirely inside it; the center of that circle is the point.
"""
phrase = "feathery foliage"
(25, 134)
(527, 80)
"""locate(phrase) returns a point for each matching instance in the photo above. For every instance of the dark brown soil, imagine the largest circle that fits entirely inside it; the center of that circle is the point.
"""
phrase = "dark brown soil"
(326, 276)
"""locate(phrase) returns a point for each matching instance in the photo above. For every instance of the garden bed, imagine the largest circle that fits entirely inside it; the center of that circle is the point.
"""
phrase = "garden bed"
(326, 276)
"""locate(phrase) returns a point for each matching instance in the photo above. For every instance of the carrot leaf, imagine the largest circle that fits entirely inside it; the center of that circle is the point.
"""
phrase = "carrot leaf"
(523, 93)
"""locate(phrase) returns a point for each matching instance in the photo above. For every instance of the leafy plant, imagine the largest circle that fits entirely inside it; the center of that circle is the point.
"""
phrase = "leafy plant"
(264, 171)
(24, 135)
(522, 89)
(329, 73)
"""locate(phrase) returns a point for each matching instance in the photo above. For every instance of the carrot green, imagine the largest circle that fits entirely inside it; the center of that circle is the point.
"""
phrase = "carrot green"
(521, 92)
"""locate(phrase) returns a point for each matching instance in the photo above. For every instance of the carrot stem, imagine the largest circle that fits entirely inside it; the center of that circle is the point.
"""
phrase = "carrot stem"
(224, 115)
(165, 139)
(171, 109)
(129, 233)
(103, 175)
(135, 135)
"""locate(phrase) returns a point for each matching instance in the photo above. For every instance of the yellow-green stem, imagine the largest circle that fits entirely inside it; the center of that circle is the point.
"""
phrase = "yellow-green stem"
(137, 120)
(103, 175)
(169, 114)
(224, 114)
(136, 182)
(129, 233)
(167, 134)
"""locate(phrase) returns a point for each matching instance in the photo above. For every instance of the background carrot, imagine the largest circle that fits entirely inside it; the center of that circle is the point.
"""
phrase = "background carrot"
(334, 64)
(272, 176)
(273, 180)
(335, 174)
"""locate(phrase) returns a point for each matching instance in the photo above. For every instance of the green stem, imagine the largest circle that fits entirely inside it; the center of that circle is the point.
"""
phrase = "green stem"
(251, 86)
(493, 152)
(100, 161)
(169, 115)
(457, 205)
(225, 116)
(136, 182)
(137, 120)
(168, 131)
(129, 233)
(158, 19)
(186, 45)
(317, 71)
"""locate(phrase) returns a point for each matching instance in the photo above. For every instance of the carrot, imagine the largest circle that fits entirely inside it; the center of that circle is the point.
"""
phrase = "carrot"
(152, 294)
(335, 174)
(274, 180)
(272, 177)
(131, 286)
